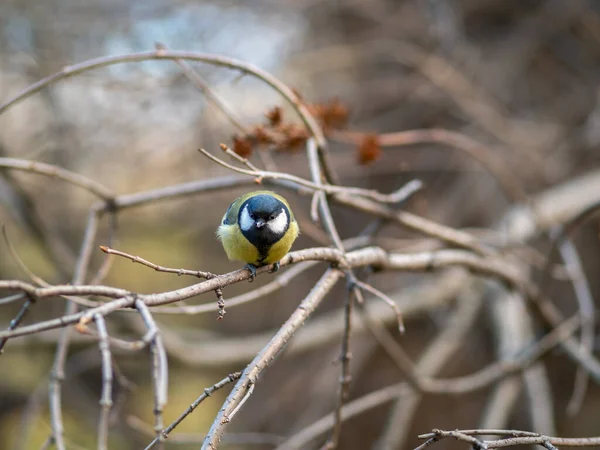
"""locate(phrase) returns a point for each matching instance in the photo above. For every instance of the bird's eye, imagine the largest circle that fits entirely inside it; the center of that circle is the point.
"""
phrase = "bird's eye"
(252, 216)
(272, 216)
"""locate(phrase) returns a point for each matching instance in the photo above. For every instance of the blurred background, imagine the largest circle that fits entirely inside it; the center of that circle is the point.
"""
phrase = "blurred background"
(519, 77)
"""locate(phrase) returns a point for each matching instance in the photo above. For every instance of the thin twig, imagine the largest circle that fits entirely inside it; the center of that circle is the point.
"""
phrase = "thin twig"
(489, 160)
(56, 378)
(33, 277)
(107, 378)
(36, 279)
(49, 170)
(249, 392)
(500, 369)
(518, 438)
(14, 323)
(11, 298)
(586, 303)
(207, 393)
(416, 223)
(345, 375)
(239, 158)
(104, 268)
(314, 207)
(386, 299)
(48, 443)
(144, 262)
(196, 273)
(261, 439)
(205, 89)
(160, 371)
(58, 369)
(394, 197)
(353, 292)
(442, 349)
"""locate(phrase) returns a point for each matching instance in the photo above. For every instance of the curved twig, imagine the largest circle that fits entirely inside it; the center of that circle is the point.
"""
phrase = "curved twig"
(49, 170)
(161, 54)
(395, 197)
(495, 165)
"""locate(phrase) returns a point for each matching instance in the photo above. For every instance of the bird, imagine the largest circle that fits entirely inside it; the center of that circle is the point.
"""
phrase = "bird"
(259, 229)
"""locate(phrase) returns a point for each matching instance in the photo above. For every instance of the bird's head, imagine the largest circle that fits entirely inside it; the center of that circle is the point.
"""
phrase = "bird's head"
(264, 215)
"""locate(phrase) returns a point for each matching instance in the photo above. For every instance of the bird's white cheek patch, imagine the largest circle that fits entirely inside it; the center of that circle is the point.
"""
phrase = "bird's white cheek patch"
(278, 225)
(245, 221)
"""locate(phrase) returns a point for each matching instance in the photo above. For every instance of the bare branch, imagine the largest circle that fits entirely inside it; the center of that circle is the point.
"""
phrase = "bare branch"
(160, 371)
(345, 376)
(107, 378)
(394, 197)
(207, 393)
(268, 354)
(388, 301)
(517, 438)
(144, 262)
(370, 256)
(205, 89)
(495, 165)
(415, 223)
(14, 323)
(62, 174)
(460, 385)
(287, 93)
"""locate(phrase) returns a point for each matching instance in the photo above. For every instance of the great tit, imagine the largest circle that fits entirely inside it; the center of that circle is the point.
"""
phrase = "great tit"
(258, 228)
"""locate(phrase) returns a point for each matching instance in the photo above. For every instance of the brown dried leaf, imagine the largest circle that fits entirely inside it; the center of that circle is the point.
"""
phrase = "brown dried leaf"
(294, 136)
(242, 146)
(331, 115)
(261, 136)
(274, 116)
(369, 149)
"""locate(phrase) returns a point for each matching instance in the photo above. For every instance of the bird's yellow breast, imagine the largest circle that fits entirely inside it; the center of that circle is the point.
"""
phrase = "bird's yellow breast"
(239, 248)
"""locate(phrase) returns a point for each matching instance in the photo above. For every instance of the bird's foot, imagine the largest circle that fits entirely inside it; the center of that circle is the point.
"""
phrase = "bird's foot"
(252, 269)
(275, 267)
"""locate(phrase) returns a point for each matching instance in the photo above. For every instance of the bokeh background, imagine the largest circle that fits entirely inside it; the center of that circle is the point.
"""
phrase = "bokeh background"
(519, 77)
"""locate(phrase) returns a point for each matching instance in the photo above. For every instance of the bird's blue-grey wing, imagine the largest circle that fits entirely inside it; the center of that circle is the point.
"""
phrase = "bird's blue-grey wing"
(230, 218)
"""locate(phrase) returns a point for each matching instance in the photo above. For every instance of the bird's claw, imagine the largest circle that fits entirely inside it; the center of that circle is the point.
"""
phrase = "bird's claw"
(252, 269)
(275, 267)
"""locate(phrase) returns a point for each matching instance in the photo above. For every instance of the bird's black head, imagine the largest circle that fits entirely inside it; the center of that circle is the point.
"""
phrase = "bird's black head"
(263, 220)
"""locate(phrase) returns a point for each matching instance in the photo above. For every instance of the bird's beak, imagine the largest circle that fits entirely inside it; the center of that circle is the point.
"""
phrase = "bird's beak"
(260, 223)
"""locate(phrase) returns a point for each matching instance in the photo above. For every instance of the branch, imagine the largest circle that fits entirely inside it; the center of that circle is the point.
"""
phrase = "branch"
(413, 222)
(517, 438)
(107, 377)
(459, 385)
(395, 197)
(489, 160)
(268, 354)
(208, 92)
(160, 371)
(164, 434)
(144, 262)
(446, 344)
(62, 348)
(14, 323)
(49, 170)
(288, 94)
(370, 256)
